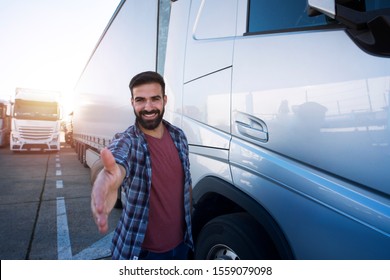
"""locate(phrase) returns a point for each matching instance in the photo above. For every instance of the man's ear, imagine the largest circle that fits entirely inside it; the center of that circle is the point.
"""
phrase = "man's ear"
(165, 99)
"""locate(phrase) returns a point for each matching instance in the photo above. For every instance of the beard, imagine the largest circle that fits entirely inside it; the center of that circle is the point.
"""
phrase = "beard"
(149, 124)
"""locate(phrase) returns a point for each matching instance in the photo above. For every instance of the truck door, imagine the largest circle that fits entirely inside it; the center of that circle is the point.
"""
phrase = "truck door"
(310, 125)
(207, 83)
(312, 92)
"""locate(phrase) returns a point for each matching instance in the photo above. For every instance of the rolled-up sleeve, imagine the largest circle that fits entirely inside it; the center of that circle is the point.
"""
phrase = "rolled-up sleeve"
(120, 148)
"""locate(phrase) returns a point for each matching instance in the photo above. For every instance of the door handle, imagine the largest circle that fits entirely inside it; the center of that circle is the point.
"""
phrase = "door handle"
(252, 127)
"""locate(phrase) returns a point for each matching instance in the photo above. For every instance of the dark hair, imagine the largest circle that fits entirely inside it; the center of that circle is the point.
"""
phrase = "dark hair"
(147, 77)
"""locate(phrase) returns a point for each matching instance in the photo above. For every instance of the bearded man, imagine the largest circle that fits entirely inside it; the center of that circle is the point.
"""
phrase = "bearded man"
(149, 160)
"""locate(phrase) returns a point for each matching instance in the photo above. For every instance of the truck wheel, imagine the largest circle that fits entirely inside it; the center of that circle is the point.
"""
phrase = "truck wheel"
(84, 156)
(234, 237)
(118, 203)
(78, 150)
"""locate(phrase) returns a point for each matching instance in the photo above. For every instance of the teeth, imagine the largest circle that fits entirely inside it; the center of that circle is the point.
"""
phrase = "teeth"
(150, 115)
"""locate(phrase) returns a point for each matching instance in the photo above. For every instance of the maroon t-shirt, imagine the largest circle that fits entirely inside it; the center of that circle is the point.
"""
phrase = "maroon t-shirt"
(166, 203)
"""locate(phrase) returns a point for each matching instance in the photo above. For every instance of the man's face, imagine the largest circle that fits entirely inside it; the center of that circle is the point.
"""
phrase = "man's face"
(148, 103)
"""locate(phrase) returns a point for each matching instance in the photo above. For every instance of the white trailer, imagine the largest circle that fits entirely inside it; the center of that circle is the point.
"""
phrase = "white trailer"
(286, 115)
(36, 120)
(104, 100)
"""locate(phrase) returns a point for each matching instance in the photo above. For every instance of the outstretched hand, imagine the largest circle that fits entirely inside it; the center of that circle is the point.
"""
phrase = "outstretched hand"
(105, 189)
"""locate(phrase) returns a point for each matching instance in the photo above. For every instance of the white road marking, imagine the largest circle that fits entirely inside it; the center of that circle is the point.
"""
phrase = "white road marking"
(59, 184)
(98, 250)
(64, 248)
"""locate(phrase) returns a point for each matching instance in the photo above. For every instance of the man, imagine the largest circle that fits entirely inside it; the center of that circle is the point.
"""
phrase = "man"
(150, 160)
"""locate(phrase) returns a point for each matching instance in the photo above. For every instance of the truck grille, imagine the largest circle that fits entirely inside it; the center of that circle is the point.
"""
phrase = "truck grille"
(35, 132)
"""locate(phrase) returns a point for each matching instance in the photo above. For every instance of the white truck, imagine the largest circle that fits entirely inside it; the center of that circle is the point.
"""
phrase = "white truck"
(5, 122)
(36, 120)
(285, 105)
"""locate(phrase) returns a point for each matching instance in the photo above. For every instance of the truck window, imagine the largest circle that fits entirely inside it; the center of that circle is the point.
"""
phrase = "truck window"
(281, 15)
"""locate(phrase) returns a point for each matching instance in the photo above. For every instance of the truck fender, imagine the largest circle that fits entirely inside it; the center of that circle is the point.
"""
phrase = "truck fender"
(214, 197)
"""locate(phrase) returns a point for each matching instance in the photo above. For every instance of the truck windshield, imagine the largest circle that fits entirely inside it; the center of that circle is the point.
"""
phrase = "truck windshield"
(34, 110)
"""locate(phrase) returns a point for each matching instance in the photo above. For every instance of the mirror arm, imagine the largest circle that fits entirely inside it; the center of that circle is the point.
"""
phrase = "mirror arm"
(371, 30)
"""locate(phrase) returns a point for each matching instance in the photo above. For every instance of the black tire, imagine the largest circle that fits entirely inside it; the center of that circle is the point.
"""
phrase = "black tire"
(118, 203)
(84, 156)
(81, 153)
(78, 151)
(233, 237)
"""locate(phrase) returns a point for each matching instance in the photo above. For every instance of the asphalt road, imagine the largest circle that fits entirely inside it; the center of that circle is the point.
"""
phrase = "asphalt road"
(45, 208)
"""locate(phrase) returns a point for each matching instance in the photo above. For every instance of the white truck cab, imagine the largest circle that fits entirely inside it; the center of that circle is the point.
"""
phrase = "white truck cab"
(36, 121)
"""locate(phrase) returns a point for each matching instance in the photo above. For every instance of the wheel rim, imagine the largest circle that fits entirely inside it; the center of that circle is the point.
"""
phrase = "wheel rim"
(222, 252)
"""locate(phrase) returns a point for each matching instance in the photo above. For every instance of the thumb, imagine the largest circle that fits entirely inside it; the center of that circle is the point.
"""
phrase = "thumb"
(108, 159)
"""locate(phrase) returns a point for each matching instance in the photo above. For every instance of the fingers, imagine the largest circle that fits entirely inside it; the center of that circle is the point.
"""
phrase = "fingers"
(101, 189)
(99, 215)
(101, 222)
(98, 206)
(104, 190)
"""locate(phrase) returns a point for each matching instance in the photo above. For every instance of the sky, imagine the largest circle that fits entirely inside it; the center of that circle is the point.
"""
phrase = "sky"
(45, 44)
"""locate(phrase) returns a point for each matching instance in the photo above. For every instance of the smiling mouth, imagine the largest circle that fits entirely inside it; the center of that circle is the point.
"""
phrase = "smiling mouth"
(149, 115)
(149, 119)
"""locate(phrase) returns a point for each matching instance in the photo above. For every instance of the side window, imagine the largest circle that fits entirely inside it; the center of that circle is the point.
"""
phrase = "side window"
(280, 15)
(213, 21)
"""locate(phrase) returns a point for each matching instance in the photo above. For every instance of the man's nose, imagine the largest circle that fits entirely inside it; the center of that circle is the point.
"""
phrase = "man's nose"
(149, 104)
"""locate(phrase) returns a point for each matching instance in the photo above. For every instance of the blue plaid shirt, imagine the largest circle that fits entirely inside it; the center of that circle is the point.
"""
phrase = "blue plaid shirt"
(130, 150)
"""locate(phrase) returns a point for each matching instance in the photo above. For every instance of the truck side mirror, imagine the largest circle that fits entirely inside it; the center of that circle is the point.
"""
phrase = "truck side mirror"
(369, 29)
(326, 7)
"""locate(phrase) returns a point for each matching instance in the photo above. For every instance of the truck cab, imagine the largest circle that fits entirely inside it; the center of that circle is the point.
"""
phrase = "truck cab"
(5, 122)
(36, 121)
(286, 108)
